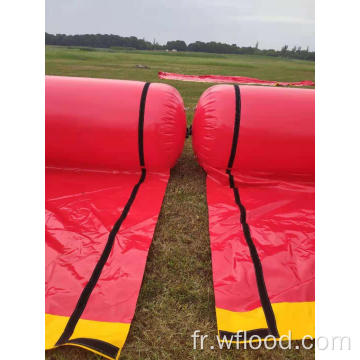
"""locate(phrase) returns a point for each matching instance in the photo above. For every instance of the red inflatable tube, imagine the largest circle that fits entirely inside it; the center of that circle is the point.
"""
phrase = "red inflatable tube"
(274, 138)
(92, 123)
(257, 146)
(109, 147)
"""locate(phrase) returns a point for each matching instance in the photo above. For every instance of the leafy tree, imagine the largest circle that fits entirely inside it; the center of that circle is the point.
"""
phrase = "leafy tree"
(178, 45)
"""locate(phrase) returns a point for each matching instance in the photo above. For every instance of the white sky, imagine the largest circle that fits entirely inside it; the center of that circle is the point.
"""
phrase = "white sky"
(271, 22)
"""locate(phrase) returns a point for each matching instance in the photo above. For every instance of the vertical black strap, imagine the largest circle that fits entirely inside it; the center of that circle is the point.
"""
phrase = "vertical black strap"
(236, 127)
(141, 124)
(263, 294)
(85, 295)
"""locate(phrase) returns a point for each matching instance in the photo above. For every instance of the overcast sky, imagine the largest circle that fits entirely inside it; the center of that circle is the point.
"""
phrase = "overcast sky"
(271, 22)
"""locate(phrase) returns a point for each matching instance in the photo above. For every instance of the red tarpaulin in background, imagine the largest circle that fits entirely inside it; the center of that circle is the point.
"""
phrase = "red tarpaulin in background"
(230, 79)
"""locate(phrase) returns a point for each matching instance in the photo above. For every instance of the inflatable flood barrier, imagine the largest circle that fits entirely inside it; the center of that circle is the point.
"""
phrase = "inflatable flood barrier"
(109, 147)
(257, 146)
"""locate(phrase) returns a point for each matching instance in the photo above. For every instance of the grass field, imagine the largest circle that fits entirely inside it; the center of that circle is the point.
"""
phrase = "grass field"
(177, 296)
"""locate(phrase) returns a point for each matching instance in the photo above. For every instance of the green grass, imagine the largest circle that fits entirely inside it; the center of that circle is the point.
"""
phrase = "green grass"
(177, 295)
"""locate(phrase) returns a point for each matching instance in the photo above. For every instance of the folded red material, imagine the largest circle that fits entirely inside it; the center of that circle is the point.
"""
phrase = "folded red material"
(230, 79)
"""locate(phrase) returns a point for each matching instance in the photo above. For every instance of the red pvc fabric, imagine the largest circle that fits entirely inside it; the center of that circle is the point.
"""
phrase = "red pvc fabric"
(230, 79)
(109, 147)
(80, 213)
(260, 189)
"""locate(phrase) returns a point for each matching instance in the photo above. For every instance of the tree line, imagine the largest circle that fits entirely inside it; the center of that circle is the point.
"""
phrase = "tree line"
(132, 42)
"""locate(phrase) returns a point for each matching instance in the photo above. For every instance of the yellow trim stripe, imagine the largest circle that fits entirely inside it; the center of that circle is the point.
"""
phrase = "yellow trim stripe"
(89, 349)
(111, 332)
(298, 317)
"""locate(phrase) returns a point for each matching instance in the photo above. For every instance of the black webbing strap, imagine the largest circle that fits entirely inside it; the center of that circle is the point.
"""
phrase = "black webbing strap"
(85, 295)
(264, 297)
